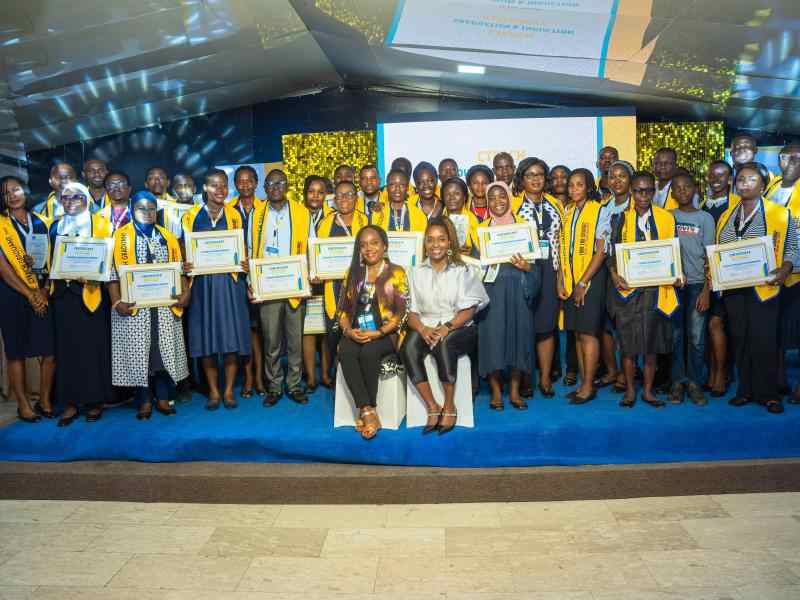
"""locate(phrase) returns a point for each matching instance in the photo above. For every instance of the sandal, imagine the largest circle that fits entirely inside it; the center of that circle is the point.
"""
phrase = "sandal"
(605, 381)
(628, 402)
(774, 406)
(47, 414)
(448, 428)
(246, 393)
(430, 428)
(619, 387)
(547, 392)
(371, 426)
(145, 412)
(570, 379)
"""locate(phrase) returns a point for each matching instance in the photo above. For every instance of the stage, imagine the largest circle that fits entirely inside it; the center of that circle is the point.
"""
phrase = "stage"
(551, 432)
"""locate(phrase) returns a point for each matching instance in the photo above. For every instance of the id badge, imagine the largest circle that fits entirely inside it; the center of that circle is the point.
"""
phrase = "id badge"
(491, 273)
(544, 248)
(366, 321)
(272, 251)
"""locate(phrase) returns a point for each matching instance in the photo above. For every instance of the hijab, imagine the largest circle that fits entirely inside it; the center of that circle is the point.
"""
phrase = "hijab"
(80, 224)
(143, 196)
(508, 217)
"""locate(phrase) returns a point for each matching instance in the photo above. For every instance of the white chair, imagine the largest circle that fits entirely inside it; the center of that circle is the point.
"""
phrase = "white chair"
(418, 413)
(391, 402)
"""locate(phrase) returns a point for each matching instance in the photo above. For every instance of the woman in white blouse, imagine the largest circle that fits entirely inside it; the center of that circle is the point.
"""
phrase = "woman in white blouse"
(445, 295)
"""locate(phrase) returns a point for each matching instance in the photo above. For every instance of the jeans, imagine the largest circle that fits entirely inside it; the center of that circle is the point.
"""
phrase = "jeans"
(689, 324)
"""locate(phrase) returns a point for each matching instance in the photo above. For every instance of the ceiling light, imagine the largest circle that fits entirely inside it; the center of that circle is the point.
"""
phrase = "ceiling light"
(471, 69)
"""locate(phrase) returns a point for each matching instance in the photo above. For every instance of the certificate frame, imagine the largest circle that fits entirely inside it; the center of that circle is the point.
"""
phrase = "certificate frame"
(714, 251)
(533, 254)
(62, 242)
(317, 303)
(259, 294)
(126, 271)
(236, 234)
(622, 252)
(314, 244)
(416, 237)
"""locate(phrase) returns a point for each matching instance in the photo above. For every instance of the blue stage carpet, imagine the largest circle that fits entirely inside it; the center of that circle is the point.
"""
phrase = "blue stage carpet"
(551, 432)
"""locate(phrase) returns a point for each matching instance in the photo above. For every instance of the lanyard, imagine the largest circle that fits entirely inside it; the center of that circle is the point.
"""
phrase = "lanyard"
(212, 219)
(316, 218)
(26, 233)
(279, 218)
(117, 220)
(741, 226)
(152, 242)
(394, 219)
(538, 213)
(644, 220)
(575, 216)
(433, 209)
(347, 229)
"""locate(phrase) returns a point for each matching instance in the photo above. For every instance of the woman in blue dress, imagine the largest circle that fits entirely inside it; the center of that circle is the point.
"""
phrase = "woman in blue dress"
(506, 329)
(219, 321)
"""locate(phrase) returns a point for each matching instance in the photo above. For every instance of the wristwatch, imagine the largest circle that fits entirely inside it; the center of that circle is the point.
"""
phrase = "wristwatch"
(581, 284)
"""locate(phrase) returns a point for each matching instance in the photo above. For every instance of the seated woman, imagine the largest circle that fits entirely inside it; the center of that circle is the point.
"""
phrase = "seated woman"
(147, 348)
(445, 295)
(81, 317)
(642, 315)
(25, 321)
(371, 312)
(506, 328)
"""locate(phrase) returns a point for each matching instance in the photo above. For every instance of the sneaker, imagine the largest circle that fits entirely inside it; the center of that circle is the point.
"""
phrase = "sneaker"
(697, 395)
(676, 393)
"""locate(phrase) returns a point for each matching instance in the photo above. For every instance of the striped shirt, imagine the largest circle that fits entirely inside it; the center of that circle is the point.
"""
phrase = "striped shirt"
(757, 227)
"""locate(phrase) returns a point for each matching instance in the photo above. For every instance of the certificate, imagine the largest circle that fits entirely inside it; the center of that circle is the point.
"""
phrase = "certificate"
(215, 251)
(745, 263)
(155, 284)
(37, 246)
(279, 278)
(82, 258)
(498, 244)
(173, 215)
(405, 248)
(643, 264)
(329, 258)
(314, 322)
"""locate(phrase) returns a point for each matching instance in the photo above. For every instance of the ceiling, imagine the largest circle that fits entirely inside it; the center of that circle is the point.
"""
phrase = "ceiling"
(80, 70)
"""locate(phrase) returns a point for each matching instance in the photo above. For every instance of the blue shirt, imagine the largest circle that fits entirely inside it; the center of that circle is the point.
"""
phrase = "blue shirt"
(278, 232)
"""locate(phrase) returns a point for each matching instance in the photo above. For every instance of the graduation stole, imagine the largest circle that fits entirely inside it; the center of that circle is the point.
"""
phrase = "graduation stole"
(583, 242)
(776, 218)
(324, 231)
(794, 207)
(233, 220)
(472, 225)
(14, 251)
(125, 251)
(664, 229)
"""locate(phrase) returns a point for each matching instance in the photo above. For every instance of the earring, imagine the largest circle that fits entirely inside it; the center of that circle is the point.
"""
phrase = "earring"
(361, 260)
(449, 252)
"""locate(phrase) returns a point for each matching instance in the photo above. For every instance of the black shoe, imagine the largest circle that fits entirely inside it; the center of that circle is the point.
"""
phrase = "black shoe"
(94, 415)
(33, 419)
(546, 392)
(774, 406)
(184, 396)
(576, 399)
(448, 428)
(47, 414)
(628, 402)
(677, 393)
(739, 401)
(230, 404)
(521, 405)
(655, 403)
(431, 428)
(526, 392)
(555, 374)
(271, 400)
(65, 421)
(167, 412)
(212, 404)
(299, 396)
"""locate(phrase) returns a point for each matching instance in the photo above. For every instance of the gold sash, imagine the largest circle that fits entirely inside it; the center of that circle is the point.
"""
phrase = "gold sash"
(585, 228)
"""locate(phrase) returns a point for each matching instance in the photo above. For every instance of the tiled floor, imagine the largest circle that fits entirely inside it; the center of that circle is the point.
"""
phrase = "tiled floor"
(738, 547)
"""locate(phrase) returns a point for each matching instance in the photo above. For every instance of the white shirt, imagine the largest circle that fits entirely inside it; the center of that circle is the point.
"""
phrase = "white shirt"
(278, 231)
(661, 195)
(436, 296)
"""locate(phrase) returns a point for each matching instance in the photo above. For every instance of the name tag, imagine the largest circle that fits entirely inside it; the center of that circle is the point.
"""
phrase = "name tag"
(491, 273)
(544, 247)
(272, 251)
(367, 321)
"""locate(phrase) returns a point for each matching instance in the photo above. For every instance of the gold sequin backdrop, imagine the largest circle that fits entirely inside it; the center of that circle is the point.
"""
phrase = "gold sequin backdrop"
(698, 144)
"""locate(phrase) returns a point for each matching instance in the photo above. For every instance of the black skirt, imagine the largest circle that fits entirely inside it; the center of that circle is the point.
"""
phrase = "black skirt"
(641, 328)
(545, 316)
(25, 334)
(591, 317)
(82, 349)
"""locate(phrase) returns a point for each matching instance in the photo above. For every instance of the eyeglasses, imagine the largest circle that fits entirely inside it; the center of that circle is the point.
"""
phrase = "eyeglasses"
(650, 190)
(116, 185)
(534, 176)
(277, 184)
(789, 157)
(73, 198)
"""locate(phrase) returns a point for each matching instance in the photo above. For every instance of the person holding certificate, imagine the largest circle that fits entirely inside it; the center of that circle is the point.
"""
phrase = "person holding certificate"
(371, 313)
(80, 317)
(582, 285)
(314, 199)
(506, 328)
(753, 312)
(219, 322)
(532, 204)
(245, 179)
(344, 222)
(280, 229)
(400, 214)
(26, 323)
(147, 347)
(478, 178)
(454, 194)
(445, 295)
(642, 314)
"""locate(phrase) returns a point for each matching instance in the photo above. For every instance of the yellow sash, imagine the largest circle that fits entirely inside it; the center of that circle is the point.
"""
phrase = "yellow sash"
(232, 218)
(472, 231)
(776, 218)
(794, 207)
(417, 219)
(585, 228)
(324, 231)
(14, 251)
(125, 251)
(665, 227)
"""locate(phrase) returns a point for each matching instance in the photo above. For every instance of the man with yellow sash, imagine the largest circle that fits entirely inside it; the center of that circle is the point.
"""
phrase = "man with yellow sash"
(369, 196)
(280, 228)
(218, 320)
(117, 210)
(81, 317)
(399, 213)
(94, 174)
(147, 345)
(665, 161)
(754, 313)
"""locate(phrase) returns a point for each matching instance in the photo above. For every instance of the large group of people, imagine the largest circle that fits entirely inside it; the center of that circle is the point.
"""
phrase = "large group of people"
(95, 348)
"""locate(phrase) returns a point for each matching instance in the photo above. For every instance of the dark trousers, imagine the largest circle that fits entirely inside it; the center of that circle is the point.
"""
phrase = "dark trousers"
(754, 327)
(360, 364)
(689, 329)
(159, 389)
(446, 354)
